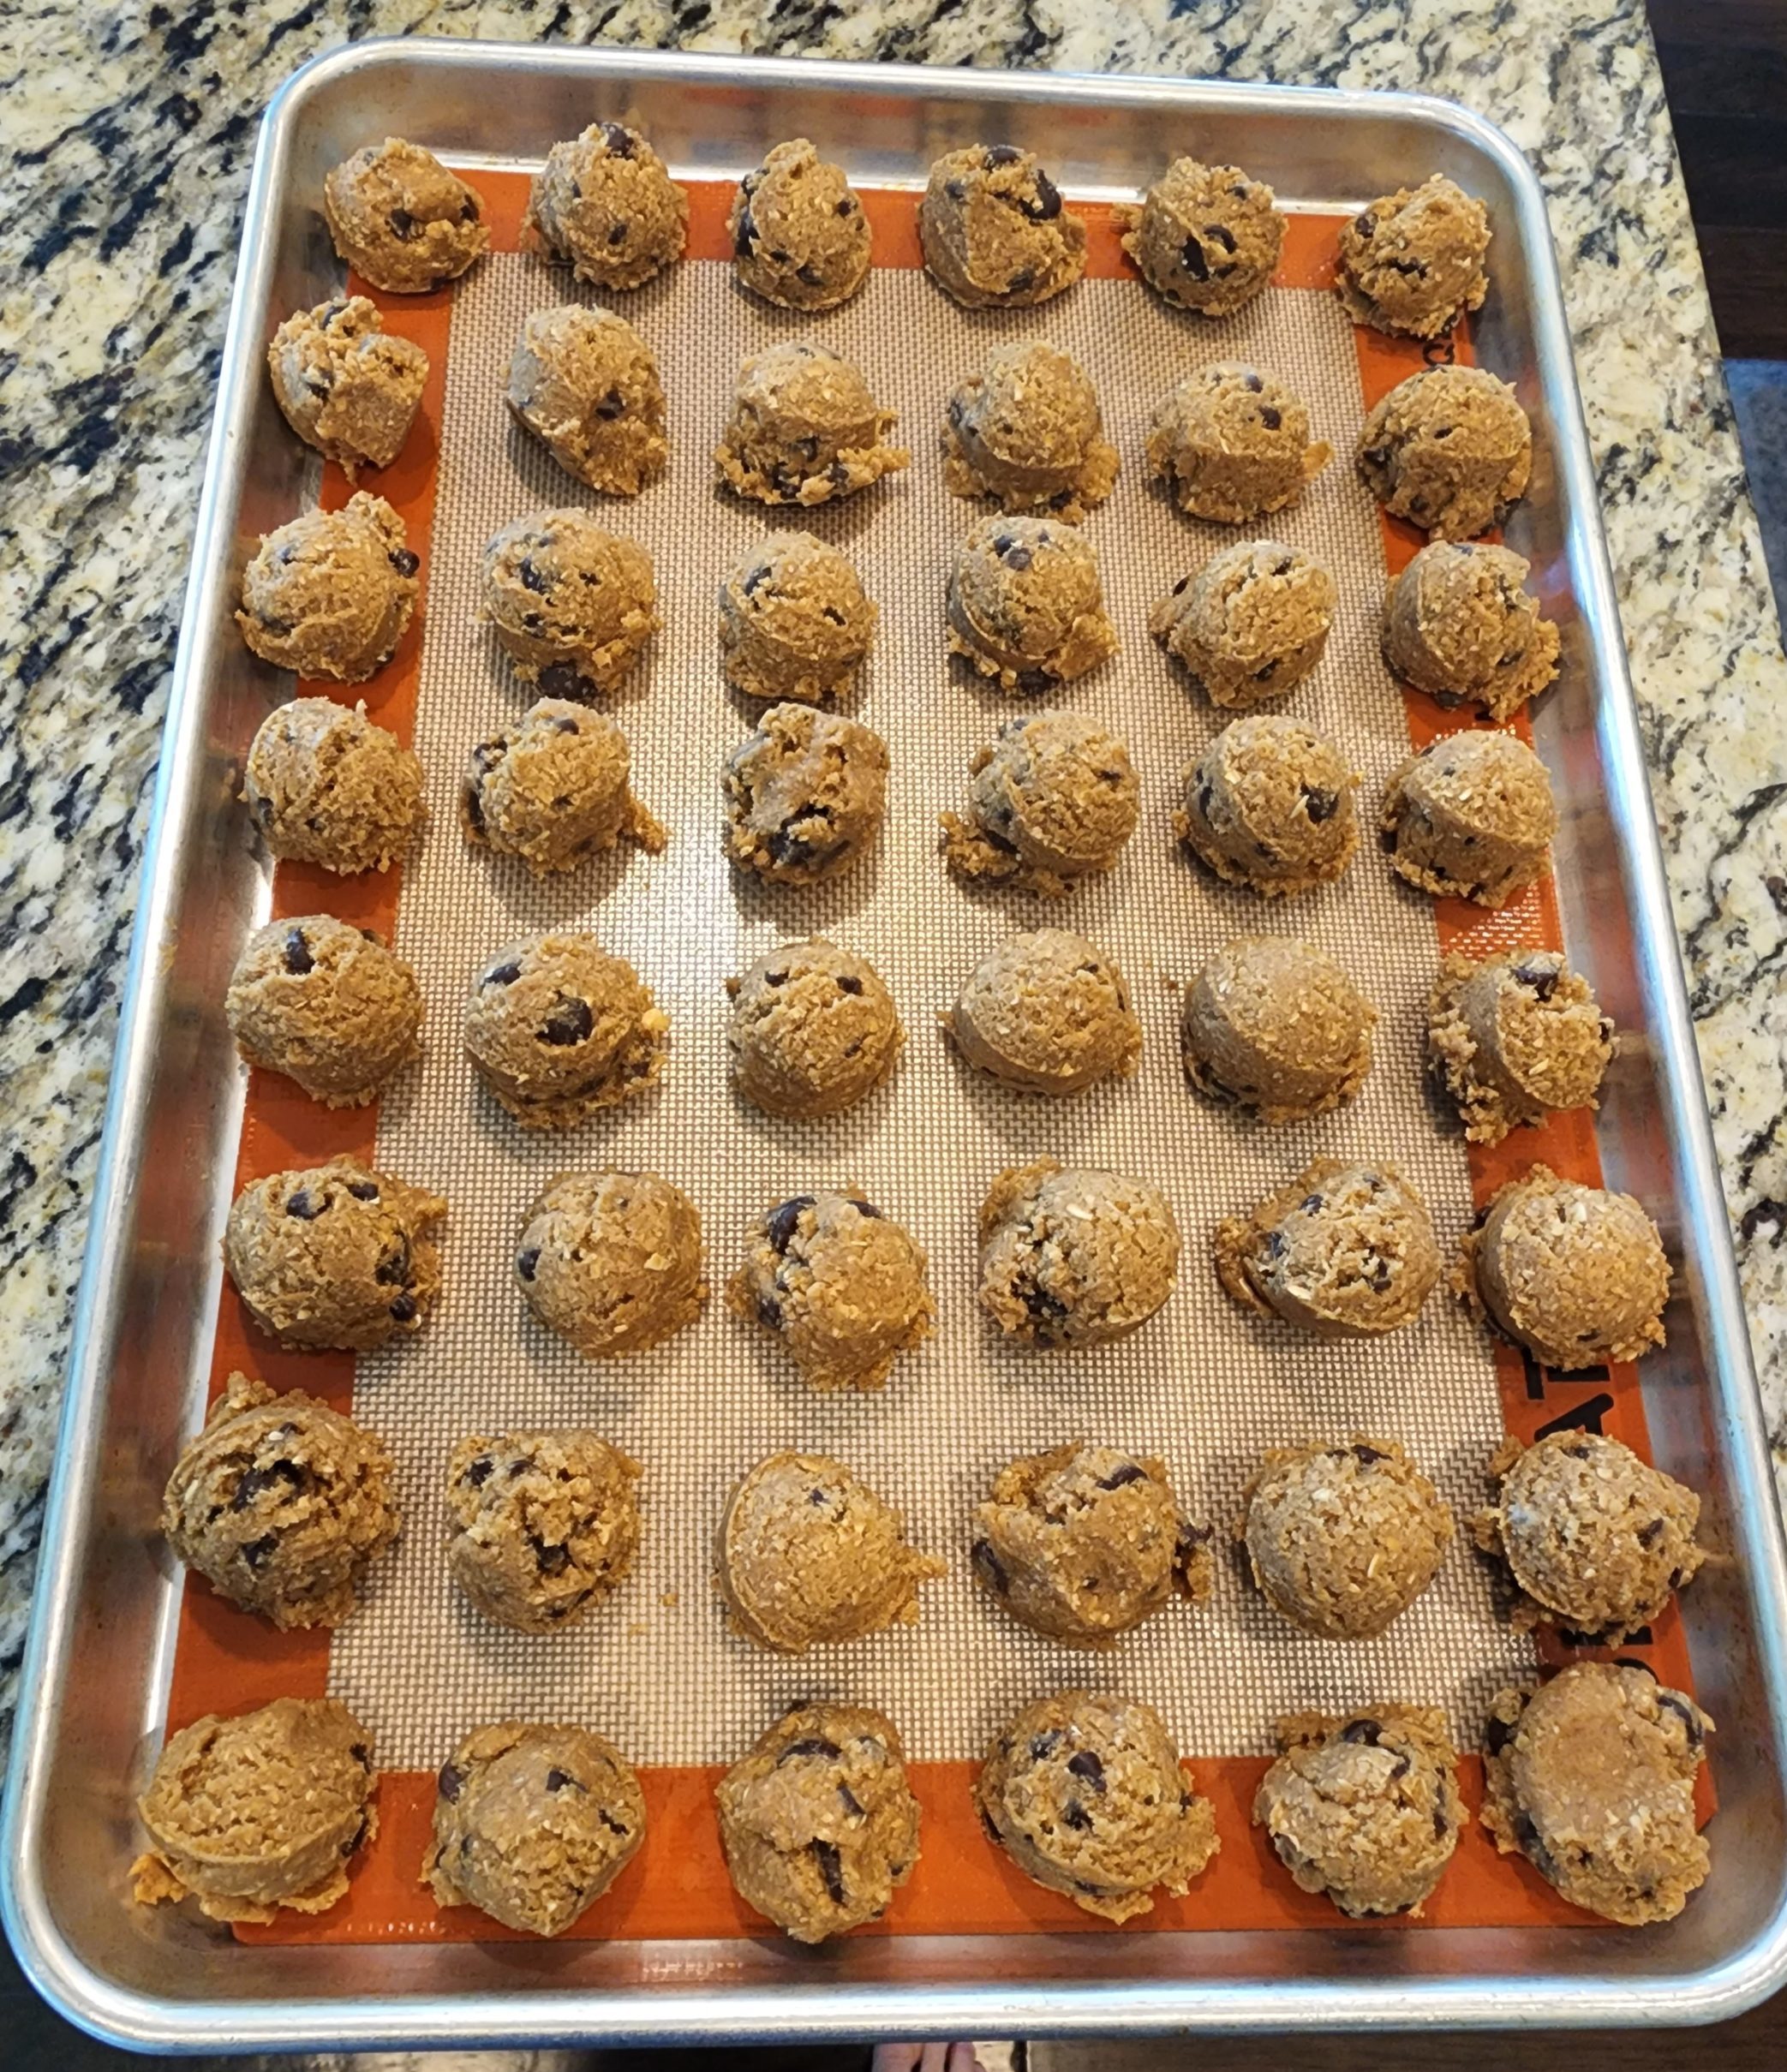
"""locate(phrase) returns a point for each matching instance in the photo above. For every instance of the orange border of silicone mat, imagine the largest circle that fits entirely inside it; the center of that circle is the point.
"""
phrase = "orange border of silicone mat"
(677, 1886)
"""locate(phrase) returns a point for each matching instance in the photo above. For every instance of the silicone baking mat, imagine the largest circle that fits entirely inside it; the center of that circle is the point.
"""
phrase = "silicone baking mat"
(1203, 1385)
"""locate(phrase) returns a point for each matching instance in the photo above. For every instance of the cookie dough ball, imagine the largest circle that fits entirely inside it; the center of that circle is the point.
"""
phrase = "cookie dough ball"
(1575, 1275)
(1450, 450)
(1591, 1777)
(605, 202)
(542, 1525)
(793, 621)
(331, 594)
(1084, 1794)
(1271, 804)
(804, 429)
(813, 1029)
(819, 1825)
(840, 1285)
(258, 1811)
(1072, 1256)
(344, 386)
(401, 219)
(1276, 1026)
(1514, 1037)
(1345, 1250)
(1047, 1012)
(805, 795)
(1458, 625)
(1412, 263)
(585, 384)
(1053, 801)
(1249, 625)
(557, 1029)
(1470, 817)
(808, 1555)
(1027, 603)
(994, 230)
(532, 1825)
(325, 785)
(572, 605)
(334, 1256)
(281, 1504)
(800, 238)
(1085, 1542)
(1232, 443)
(1365, 1807)
(325, 1004)
(1206, 237)
(1342, 1539)
(552, 790)
(611, 1261)
(1027, 431)
(1596, 1539)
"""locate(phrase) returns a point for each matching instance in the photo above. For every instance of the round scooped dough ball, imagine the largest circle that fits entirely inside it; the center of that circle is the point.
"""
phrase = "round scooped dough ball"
(1458, 625)
(1084, 1794)
(1412, 262)
(572, 605)
(552, 790)
(605, 201)
(1047, 1013)
(611, 1261)
(1514, 1037)
(1449, 449)
(805, 795)
(1206, 237)
(1365, 1807)
(1345, 1250)
(840, 1285)
(401, 219)
(793, 621)
(1596, 1539)
(586, 384)
(1342, 1539)
(542, 1525)
(804, 429)
(325, 1004)
(558, 1030)
(325, 785)
(1084, 1542)
(532, 1825)
(1249, 625)
(1575, 1275)
(258, 1811)
(330, 594)
(334, 1256)
(813, 1029)
(819, 1825)
(1591, 1777)
(1271, 804)
(1232, 443)
(1026, 430)
(800, 238)
(809, 1556)
(1071, 1256)
(1277, 1026)
(1053, 801)
(281, 1504)
(345, 386)
(1470, 817)
(994, 230)
(1027, 603)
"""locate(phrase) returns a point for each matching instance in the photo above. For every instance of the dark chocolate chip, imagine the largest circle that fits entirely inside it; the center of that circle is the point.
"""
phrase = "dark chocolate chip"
(570, 1021)
(810, 1744)
(831, 1867)
(1269, 418)
(1223, 236)
(501, 975)
(404, 562)
(847, 206)
(1671, 1701)
(1022, 281)
(769, 1313)
(838, 475)
(253, 1480)
(533, 576)
(1252, 383)
(563, 726)
(1074, 1814)
(1651, 1532)
(257, 1550)
(469, 208)
(618, 232)
(1086, 1766)
(1320, 805)
(1367, 1732)
(1367, 1456)
(852, 1805)
(403, 1308)
(1001, 154)
(608, 1820)
(869, 1210)
(1046, 205)
(298, 960)
(1537, 978)
(554, 1559)
(1018, 558)
(810, 274)
(849, 982)
(478, 1471)
(1313, 1204)
(305, 1206)
(450, 1782)
(1496, 1736)
(621, 141)
(1365, 224)
(612, 405)
(403, 224)
(394, 1270)
(1191, 259)
(780, 258)
(783, 1221)
(527, 1261)
(1044, 1744)
(956, 190)
(559, 1780)
(988, 1567)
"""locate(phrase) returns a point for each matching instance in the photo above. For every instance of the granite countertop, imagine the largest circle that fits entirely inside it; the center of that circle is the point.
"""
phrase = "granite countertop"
(130, 131)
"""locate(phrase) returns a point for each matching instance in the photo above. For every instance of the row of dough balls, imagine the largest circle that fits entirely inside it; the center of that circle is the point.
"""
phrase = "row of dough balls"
(338, 1256)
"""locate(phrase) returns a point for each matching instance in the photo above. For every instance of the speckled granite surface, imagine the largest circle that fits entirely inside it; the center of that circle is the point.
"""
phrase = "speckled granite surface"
(128, 135)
